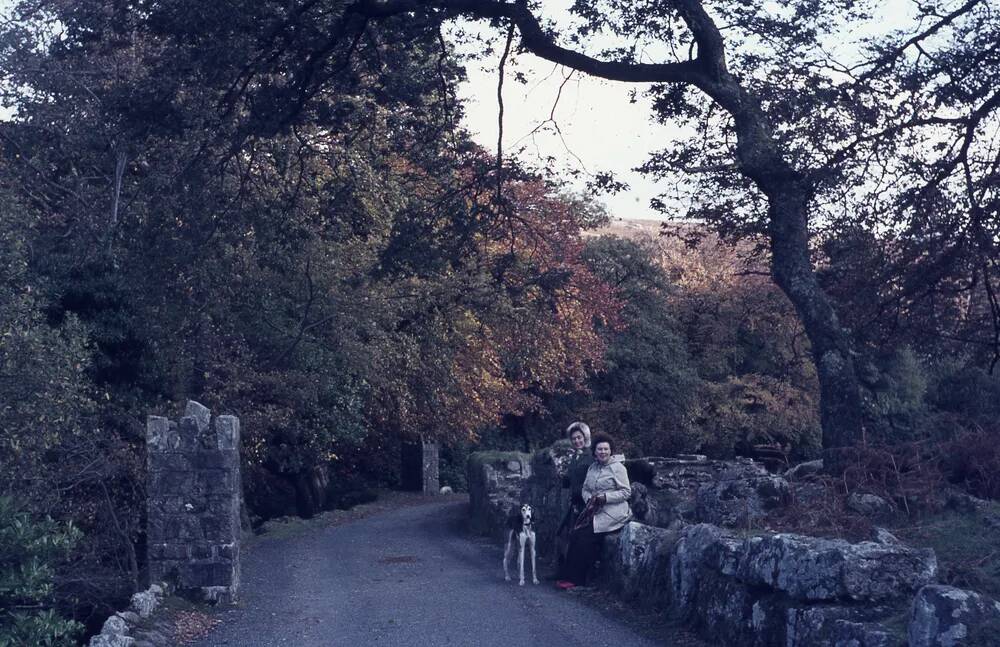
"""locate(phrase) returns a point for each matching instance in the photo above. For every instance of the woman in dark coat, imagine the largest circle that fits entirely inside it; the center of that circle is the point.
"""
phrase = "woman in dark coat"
(578, 434)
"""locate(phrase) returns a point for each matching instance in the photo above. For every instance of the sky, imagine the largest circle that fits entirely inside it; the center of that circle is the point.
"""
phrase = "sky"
(599, 128)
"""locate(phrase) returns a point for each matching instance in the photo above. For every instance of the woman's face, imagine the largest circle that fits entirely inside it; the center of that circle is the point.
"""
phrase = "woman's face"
(602, 452)
(577, 439)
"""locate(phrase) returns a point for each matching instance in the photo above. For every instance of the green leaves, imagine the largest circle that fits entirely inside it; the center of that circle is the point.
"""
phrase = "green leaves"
(30, 549)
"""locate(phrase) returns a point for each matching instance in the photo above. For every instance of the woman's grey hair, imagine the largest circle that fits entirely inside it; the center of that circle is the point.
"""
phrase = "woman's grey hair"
(582, 428)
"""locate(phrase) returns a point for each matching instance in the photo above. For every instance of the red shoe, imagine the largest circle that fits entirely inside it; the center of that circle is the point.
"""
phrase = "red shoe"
(565, 585)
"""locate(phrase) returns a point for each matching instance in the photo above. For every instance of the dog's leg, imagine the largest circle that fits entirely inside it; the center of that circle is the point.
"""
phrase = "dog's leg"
(506, 555)
(534, 565)
(522, 537)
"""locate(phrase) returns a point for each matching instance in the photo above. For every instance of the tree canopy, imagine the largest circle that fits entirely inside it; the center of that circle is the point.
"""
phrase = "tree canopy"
(336, 269)
(789, 134)
(273, 208)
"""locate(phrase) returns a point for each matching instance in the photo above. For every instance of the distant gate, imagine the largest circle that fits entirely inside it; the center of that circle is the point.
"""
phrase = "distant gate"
(420, 466)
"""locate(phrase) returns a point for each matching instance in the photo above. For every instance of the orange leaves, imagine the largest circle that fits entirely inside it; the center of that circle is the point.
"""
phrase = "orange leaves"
(540, 333)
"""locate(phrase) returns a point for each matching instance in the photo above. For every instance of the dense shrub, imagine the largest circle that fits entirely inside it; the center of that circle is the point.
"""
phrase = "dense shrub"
(972, 461)
(708, 358)
(942, 415)
(30, 550)
(453, 469)
(749, 411)
(961, 388)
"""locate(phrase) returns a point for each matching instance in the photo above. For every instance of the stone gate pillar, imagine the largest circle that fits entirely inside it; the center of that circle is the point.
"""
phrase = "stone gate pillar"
(420, 468)
(194, 491)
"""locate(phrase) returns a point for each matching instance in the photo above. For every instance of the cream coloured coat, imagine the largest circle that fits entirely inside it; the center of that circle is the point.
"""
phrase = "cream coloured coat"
(611, 480)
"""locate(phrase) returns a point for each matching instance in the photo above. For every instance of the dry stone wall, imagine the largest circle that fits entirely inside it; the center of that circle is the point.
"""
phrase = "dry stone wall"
(194, 493)
(944, 616)
(755, 589)
(781, 589)
(496, 480)
(134, 627)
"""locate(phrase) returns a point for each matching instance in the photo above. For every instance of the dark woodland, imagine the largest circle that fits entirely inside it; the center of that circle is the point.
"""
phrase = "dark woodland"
(273, 208)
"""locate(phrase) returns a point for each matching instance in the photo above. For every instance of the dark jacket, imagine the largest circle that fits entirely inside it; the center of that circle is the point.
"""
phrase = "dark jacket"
(576, 474)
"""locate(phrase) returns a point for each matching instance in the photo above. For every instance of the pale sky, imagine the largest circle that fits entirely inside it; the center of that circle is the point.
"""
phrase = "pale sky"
(601, 130)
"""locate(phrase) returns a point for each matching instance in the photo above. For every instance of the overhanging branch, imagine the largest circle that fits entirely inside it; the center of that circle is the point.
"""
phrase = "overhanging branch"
(539, 43)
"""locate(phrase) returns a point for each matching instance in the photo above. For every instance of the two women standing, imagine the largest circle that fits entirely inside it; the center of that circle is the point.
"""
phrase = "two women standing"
(599, 508)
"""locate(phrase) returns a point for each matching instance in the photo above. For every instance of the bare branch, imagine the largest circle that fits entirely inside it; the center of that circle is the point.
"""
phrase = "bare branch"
(500, 71)
(442, 56)
(893, 54)
(116, 190)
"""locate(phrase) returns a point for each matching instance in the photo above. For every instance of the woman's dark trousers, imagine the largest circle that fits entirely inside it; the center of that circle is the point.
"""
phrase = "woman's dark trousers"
(584, 549)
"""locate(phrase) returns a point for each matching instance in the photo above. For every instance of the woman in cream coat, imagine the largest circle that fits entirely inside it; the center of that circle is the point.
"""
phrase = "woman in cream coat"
(606, 491)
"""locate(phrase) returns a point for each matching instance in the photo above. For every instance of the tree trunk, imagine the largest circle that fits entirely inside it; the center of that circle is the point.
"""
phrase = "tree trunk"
(789, 193)
(791, 267)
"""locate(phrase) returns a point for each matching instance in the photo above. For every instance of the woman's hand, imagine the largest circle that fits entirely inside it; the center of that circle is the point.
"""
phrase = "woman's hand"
(600, 499)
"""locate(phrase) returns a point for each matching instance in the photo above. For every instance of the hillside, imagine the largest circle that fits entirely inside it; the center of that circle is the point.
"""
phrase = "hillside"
(693, 256)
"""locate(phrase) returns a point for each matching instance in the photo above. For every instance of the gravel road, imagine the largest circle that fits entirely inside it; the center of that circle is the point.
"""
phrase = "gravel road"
(407, 577)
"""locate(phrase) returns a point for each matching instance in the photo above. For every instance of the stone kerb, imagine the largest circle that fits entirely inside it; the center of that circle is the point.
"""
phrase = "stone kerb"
(194, 493)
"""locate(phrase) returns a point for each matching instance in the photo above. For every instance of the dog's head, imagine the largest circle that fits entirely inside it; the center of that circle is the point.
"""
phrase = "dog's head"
(526, 514)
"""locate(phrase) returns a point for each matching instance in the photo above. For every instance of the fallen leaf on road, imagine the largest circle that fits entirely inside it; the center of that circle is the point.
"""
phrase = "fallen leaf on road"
(191, 625)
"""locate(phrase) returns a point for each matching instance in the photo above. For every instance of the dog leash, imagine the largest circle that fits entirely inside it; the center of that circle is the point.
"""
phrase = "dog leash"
(587, 514)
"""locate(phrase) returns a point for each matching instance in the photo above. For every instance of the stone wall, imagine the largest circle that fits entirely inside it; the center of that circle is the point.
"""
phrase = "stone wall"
(134, 626)
(194, 491)
(773, 589)
(495, 482)
(737, 585)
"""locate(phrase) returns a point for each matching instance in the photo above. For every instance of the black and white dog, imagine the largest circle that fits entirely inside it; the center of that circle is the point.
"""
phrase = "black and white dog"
(520, 529)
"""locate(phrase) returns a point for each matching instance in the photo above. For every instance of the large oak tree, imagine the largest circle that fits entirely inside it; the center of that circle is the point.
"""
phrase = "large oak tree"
(788, 134)
(760, 155)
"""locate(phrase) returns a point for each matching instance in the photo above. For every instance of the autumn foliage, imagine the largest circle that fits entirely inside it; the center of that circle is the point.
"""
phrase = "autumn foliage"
(234, 202)
(337, 267)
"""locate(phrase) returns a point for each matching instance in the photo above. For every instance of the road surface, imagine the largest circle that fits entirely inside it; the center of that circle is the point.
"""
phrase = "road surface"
(407, 577)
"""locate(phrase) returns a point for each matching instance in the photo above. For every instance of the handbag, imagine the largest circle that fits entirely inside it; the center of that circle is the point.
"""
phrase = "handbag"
(586, 517)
